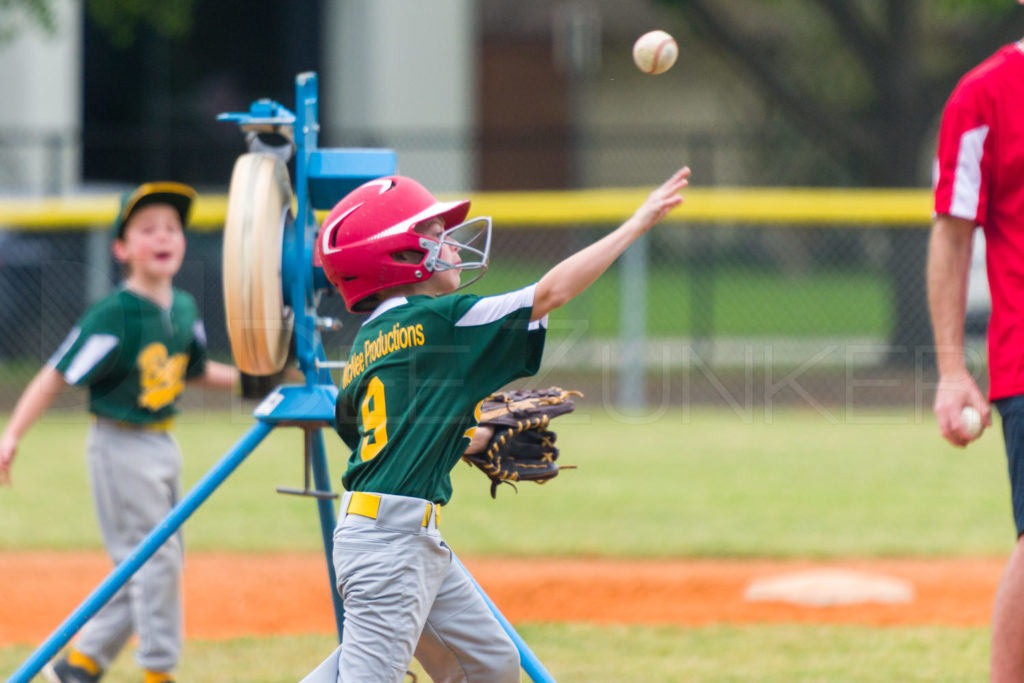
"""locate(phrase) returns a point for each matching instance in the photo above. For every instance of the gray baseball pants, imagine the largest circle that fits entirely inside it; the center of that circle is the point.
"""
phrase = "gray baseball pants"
(135, 477)
(405, 597)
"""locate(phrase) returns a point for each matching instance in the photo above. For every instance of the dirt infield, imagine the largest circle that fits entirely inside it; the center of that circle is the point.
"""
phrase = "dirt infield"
(230, 595)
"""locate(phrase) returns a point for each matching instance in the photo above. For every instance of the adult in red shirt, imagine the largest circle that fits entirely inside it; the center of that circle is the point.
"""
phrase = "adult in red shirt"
(979, 181)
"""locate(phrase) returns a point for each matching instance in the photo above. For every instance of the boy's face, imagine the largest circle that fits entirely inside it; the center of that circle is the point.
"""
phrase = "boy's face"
(444, 281)
(153, 242)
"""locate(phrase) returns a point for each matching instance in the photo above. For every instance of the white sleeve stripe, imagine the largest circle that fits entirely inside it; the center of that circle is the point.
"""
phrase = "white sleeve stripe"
(64, 346)
(967, 183)
(92, 352)
(492, 308)
(199, 332)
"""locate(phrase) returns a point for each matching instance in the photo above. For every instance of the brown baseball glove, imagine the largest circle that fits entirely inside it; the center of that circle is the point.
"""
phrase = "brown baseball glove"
(522, 447)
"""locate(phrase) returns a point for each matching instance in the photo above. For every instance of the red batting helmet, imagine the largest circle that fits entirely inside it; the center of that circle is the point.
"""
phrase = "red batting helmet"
(363, 232)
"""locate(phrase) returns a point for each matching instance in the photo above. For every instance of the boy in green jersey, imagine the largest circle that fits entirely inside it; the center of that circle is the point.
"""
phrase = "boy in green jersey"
(134, 350)
(408, 408)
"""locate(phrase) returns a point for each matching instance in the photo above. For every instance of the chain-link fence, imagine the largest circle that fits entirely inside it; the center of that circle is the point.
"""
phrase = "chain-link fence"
(741, 315)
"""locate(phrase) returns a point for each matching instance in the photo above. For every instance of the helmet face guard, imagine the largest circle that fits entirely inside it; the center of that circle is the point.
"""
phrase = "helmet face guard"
(473, 237)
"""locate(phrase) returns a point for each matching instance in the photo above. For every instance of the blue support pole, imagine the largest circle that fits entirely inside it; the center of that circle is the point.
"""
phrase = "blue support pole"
(306, 131)
(328, 520)
(142, 552)
(529, 661)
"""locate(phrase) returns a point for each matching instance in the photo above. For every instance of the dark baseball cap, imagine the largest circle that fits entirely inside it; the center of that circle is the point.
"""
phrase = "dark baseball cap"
(178, 195)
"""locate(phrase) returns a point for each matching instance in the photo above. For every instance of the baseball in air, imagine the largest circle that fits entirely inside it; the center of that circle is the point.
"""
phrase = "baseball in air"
(655, 52)
(970, 418)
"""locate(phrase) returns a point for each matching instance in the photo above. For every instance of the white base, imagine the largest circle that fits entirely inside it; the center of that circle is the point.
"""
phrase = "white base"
(830, 587)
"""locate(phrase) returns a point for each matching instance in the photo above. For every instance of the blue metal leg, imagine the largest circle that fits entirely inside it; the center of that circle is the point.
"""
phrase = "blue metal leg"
(322, 482)
(146, 548)
(531, 665)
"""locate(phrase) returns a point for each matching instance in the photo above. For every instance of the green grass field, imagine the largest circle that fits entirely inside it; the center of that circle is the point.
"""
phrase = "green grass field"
(708, 483)
(796, 485)
(577, 652)
(743, 301)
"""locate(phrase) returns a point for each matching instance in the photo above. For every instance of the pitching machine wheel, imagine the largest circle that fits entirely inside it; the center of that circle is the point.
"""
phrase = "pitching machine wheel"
(258, 322)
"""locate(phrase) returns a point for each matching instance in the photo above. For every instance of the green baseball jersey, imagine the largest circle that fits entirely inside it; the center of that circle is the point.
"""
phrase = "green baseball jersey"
(134, 355)
(419, 367)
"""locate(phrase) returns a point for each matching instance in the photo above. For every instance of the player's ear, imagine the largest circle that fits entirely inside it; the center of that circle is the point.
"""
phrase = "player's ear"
(120, 250)
(407, 256)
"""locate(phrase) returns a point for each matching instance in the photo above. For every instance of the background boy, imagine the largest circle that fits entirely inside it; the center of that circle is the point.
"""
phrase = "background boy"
(134, 350)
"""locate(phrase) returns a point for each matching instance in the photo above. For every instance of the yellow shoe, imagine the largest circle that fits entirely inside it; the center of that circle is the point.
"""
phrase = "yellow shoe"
(73, 668)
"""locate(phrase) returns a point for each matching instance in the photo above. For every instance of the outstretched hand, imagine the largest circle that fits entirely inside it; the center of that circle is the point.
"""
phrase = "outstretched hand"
(663, 199)
(570, 277)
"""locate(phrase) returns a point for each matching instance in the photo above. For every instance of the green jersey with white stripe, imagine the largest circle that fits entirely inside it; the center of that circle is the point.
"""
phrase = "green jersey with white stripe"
(419, 368)
(134, 355)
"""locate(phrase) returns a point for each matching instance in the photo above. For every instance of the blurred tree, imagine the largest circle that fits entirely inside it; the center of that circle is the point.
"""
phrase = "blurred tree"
(16, 15)
(866, 79)
(121, 19)
(124, 19)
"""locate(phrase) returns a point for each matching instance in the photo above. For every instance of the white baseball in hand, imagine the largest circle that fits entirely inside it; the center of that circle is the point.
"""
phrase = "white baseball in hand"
(970, 420)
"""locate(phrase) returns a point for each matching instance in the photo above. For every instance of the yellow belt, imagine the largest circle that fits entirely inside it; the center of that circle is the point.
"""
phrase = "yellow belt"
(161, 426)
(368, 505)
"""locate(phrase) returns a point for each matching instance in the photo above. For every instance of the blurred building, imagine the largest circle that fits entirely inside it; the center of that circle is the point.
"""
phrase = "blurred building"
(493, 94)
(483, 95)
